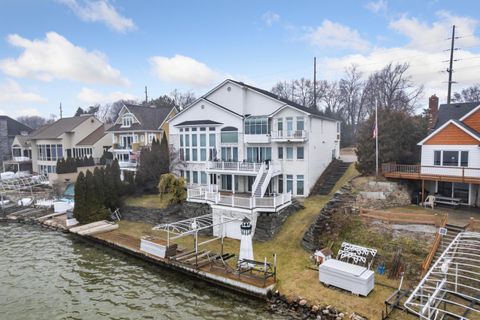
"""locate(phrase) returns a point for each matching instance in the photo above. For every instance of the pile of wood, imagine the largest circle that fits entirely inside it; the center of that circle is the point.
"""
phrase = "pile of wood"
(94, 228)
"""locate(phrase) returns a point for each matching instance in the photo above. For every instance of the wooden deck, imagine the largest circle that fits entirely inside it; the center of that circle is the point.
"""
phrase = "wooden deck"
(431, 173)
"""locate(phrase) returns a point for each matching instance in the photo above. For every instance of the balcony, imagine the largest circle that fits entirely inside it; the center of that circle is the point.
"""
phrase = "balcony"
(121, 147)
(256, 138)
(289, 136)
(233, 167)
(431, 173)
(259, 204)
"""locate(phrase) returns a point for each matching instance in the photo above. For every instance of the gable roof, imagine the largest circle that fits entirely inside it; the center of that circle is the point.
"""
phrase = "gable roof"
(197, 122)
(298, 106)
(455, 111)
(150, 117)
(24, 141)
(59, 127)
(473, 133)
(14, 127)
(96, 135)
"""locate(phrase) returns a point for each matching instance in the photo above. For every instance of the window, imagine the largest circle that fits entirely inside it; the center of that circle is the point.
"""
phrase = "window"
(289, 183)
(195, 176)
(211, 140)
(289, 153)
(300, 153)
(187, 177)
(299, 185)
(280, 124)
(437, 158)
(289, 124)
(259, 154)
(203, 154)
(280, 184)
(280, 152)
(181, 140)
(203, 140)
(300, 123)
(127, 120)
(203, 177)
(194, 140)
(194, 155)
(187, 140)
(450, 158)
(464, 159)
(229, 135)
(152, 136)
(182, 155)
(51, 152)
(256, 125)
(187, 154)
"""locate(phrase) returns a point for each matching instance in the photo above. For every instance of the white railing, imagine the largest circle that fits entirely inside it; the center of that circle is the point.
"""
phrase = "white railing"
(20, 159)
(289, 134)
(233, 166)
(200, 194)
(257, 178)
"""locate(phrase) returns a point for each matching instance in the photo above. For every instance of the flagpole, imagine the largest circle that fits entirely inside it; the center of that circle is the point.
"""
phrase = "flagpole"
(376, 138)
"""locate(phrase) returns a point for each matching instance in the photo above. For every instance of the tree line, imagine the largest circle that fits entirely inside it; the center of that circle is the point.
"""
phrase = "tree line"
(70, 164)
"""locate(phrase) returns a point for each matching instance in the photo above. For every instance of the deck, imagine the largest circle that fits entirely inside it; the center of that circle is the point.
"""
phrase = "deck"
(431, 173)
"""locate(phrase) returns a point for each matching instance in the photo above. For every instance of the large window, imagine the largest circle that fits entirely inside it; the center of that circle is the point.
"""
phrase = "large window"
(289, 153)
(229, 154)
(49, 152)
(300, 185)
(289, 183)
(280, 152)
(229, 135)
(256, 125)
(300, 123)
(451, 158)
(300, 155)
(259, 154)
(82, 152)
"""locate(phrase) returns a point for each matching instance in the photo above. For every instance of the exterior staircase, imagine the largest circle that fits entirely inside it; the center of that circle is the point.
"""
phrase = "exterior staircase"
(258, 190)
(452, 232)
(330, 177)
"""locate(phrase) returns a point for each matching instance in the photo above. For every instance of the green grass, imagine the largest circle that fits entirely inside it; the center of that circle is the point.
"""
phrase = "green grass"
(153, 201)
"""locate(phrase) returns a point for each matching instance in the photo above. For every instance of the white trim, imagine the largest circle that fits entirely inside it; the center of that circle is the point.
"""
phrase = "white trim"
(210, 103)
(164, 120)
(120, 114)
(287, 106)
(451, 121)
(470, 113)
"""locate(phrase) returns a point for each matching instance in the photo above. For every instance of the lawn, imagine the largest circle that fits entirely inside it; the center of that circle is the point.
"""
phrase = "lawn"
(296, 278)
(148, 201)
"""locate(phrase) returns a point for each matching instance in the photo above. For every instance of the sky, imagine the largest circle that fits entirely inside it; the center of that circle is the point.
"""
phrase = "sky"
(84, 52)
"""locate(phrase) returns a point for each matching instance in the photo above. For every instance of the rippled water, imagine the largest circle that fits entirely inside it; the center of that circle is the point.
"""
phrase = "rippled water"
(49, 275)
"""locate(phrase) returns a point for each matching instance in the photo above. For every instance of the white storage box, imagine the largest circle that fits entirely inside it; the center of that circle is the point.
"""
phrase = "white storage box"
(350, 277)
(155, 247)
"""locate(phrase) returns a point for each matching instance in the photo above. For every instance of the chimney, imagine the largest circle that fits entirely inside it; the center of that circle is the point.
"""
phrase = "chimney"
(432, 111)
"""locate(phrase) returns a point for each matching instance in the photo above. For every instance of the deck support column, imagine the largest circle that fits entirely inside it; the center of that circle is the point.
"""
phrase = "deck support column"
(233, 183)
(423, 190)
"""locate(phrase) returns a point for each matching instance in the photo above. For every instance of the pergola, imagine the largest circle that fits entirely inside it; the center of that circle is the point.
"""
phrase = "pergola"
(451, 288)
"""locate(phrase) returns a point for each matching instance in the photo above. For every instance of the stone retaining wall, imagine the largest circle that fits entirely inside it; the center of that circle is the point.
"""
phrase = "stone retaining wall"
(269, 223)
(166, 215)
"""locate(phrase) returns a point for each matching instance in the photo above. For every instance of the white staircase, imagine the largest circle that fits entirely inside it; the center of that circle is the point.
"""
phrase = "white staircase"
(263, 178)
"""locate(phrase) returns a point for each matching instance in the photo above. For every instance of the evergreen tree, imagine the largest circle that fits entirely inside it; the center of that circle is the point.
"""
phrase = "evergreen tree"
(80, 198)
(98, 175)
(164, 157)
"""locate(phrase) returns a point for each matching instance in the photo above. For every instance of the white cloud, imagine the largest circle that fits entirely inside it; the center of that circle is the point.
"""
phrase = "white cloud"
(57, 58)
(335, 35)
(184, 70)
(14, 99)
(91, 96)
(269, 18)
(377, 6)
(424, 52)
(100, 11)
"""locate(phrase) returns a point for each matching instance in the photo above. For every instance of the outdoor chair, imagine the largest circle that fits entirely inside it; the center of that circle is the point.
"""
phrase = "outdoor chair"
(429, 202)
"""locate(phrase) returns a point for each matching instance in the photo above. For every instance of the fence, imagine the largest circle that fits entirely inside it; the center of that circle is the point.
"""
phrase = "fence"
(436, 243)
(401, 217)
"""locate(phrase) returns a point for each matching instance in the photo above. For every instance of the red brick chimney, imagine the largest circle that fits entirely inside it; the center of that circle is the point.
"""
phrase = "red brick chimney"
(432, 111)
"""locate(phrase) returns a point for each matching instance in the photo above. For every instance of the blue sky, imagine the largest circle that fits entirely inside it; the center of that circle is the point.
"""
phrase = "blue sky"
(81, 52)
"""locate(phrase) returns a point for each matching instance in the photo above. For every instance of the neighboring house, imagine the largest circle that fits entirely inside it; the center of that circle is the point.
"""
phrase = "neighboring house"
(21, 159)
(248, 142)
(9, 128)
(450, 162)
(67, 137)
(135, 128)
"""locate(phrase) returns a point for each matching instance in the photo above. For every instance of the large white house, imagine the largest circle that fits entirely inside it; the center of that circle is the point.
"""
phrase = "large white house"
(248, 142)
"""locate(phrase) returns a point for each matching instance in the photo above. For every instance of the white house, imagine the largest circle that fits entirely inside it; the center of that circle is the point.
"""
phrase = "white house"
(450, 159)
(253, 145)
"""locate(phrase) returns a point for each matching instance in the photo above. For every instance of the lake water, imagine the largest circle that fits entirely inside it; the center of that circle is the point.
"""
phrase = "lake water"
(50, 275)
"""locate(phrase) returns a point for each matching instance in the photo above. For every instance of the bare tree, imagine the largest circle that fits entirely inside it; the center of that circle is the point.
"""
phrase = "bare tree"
(330, 97)
(285, 90)
(351, 94)
(33, 122)
(470, 94)
(182, 99)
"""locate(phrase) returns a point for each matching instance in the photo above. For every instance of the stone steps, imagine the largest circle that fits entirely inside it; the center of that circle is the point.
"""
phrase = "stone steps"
(330, 177)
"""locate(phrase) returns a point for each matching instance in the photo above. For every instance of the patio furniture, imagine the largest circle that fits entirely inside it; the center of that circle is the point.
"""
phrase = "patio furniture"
(451, 201)
(429, 201)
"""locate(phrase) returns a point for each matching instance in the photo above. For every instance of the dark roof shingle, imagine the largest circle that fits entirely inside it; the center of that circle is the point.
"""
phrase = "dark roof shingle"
(59, 127)
(96, 135)
(151, 118)
(196, 122)
(453, 111)
(14, 127)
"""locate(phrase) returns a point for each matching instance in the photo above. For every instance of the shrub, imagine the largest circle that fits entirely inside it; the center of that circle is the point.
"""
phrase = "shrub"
(173, 187)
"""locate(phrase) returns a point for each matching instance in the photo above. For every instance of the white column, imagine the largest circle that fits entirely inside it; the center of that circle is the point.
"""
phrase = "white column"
(233, 183)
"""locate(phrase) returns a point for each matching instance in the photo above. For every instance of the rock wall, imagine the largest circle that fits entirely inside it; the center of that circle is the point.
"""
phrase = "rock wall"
(344, 200)
(166, 215)
(382, 195)
(269, 223)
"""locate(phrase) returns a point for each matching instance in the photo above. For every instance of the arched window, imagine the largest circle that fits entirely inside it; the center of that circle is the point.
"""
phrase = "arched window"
(229, 135)
(127, 120)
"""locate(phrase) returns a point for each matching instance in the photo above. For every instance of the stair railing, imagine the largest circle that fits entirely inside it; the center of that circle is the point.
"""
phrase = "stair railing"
(266, 182)
(258, 178)
(436, 244)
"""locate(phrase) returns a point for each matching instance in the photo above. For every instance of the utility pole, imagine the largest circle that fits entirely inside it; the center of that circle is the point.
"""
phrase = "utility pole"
(315, 82)
(146, 95)
(61, 111)
(450, 68)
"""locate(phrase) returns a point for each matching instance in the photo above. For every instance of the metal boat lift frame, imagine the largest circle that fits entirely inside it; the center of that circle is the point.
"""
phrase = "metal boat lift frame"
(192, 226)
(451, 288)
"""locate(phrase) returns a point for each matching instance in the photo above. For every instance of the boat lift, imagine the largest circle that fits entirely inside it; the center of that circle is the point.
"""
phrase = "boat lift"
(21, 183)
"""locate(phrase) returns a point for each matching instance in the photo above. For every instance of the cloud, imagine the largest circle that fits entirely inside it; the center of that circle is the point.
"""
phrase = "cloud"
(91, 96)
(57, 58)
(377, 6)
(13, 99)
(424, 51)
(335, 35)
(100, 11)
(269, 18)
(183, 70)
